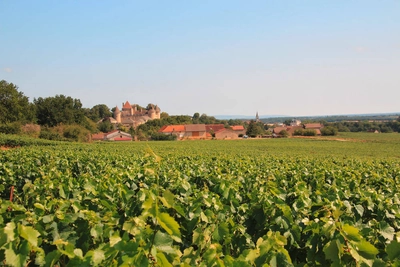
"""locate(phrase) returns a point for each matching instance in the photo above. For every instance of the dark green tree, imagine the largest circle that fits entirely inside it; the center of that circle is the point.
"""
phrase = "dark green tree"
(254, 129)
(105, 126)
(195, 118)
(287, 122)
(99, 112)
(232, 122)
(208, 119)
(51, 111)
(14, 105)
(164, 115)
(329, 130)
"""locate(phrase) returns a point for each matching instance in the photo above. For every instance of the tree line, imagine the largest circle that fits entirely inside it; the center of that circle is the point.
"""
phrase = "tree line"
(62, 117)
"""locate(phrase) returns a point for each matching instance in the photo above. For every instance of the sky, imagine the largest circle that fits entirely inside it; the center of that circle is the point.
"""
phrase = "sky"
(218, 57)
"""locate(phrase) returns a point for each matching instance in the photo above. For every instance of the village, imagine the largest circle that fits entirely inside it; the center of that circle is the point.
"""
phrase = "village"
(131, 116)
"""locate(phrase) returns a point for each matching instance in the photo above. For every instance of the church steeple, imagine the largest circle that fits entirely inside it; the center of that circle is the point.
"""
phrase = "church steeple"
(257, 117)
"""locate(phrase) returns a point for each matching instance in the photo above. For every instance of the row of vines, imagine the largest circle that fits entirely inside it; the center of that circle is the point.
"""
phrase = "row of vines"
(128, 205)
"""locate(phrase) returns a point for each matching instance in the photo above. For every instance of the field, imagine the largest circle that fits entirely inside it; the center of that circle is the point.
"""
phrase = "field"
(267, 202)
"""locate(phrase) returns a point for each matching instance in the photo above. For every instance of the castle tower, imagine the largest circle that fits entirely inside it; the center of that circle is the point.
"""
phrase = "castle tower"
(117, 114)
(127, 108)
(158, 112)
(152, 113)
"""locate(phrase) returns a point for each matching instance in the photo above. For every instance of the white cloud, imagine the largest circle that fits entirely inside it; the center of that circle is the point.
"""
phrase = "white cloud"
(7, 70)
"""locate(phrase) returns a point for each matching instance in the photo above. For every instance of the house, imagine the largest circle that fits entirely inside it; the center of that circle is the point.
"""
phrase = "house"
(189, 131)
(226, 134)
(114, 135)
(313, 126)
(195, 131)
(292, 129)
(239, 129)
(213, 128)
(178, 130)
(277, 130)
(295, 122)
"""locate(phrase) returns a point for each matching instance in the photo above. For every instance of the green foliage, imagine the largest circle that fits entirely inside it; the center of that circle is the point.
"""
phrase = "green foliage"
(329, 131)
(298, 132)
(309, 132)
(105, 126)
(284, 133)
(52, 111)
(144, 131)
(98, 112)
(255, 129)
(10, 128)
(50, 134)
(275, 202)
(163, 137)
(76, 133)
(90, 125)
(14, 105)
(8, 140)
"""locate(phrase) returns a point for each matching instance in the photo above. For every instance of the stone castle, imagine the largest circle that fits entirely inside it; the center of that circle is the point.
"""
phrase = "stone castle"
(134, 115)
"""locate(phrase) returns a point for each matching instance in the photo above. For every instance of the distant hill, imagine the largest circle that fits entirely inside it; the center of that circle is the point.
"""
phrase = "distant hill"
(244, 117)
(328, 118)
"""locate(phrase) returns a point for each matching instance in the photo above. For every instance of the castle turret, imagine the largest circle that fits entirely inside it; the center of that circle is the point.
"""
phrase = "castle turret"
(127, 108)
(158, 112)
(152, 113)
(117, 114)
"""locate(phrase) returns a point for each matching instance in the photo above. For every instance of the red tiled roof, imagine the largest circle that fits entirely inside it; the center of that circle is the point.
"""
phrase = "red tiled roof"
(291, 129)
(237, 127)
(214, 127)
(113, 131)
(313, 125)
(224, 130)
(162, 128)
(195, 127)
(127, 105)
(172, 128)
(277, 130)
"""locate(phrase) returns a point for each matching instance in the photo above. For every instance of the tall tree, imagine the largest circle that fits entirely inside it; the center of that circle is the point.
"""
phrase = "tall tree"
(254, 129)
(52, 111)
(99, 112)
(196, 117)
(14, 105)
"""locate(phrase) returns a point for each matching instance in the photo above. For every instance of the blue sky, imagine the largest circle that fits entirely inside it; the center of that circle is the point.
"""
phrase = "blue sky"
(216, 57)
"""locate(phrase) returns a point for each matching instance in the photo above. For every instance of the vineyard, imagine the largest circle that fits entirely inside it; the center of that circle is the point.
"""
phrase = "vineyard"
(284, 202)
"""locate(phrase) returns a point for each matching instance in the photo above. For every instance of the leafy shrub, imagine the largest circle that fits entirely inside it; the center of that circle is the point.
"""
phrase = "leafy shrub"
(10, 140)
(10, 128)
(298, 132)
(329, 131)
(309, 132)
(50, 135)
(76, 133)
(284, 133)
(163, 137)
(105, 126)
